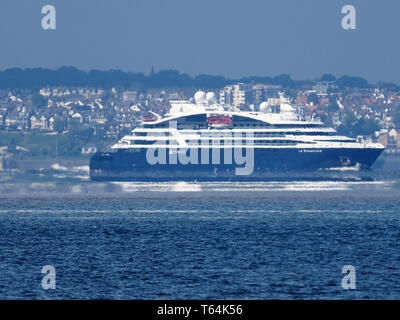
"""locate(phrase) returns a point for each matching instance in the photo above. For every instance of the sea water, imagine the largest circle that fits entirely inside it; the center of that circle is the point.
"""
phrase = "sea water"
(271, 240)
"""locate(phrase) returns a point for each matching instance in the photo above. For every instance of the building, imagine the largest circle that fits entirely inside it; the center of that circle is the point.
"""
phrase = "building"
(393, 140)
(236, 95)
(51, 123)
(129, 96)
(38, 123)
(302, 99)
(16, 121)
(324, 86)
(274, 101)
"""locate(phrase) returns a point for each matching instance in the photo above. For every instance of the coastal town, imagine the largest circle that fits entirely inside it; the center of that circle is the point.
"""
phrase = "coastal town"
(76, 121)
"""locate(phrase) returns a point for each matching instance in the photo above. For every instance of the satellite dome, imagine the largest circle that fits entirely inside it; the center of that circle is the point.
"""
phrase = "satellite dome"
(200, 97)
(264, 107)
(210, 96)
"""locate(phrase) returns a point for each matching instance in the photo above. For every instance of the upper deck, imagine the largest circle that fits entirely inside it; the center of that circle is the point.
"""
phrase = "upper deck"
(208, 114)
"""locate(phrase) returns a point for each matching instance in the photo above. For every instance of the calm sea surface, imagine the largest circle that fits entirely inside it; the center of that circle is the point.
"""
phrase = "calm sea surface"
(275, 240)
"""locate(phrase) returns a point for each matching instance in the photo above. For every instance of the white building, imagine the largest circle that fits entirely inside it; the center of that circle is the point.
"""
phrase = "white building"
(236, 95)
(51, 124)
(130, 96)
(38, 123)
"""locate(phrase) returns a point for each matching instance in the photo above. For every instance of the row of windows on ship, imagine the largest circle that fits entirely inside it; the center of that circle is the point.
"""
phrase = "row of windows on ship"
(256, 134)
(244, 142)
(208, 143)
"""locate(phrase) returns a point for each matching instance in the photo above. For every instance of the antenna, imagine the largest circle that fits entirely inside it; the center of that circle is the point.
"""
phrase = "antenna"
(156, 115)
(181, 95)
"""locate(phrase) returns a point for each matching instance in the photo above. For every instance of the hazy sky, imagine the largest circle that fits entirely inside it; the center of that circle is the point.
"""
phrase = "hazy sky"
(235, 38)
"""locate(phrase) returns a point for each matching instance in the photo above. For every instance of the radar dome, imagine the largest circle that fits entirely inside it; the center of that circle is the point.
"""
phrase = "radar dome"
(200, 97)
(210, 96)
(264, 107)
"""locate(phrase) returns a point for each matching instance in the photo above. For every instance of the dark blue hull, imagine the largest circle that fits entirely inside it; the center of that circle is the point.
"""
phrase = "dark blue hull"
(268, 163)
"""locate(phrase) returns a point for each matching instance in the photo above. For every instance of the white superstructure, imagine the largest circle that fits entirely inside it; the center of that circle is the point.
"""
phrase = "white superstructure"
(201, 122)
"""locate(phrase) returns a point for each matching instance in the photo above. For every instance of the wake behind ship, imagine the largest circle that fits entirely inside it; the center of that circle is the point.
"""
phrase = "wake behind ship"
(205, 141)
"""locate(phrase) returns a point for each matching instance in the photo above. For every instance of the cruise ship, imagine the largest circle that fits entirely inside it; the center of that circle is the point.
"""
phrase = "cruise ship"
(202, 140)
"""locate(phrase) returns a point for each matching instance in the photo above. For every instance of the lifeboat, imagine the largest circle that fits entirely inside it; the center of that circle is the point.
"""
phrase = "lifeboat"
(219, 120)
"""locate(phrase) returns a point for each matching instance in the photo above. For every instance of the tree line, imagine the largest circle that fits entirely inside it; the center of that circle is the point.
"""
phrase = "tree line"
(35, 78)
